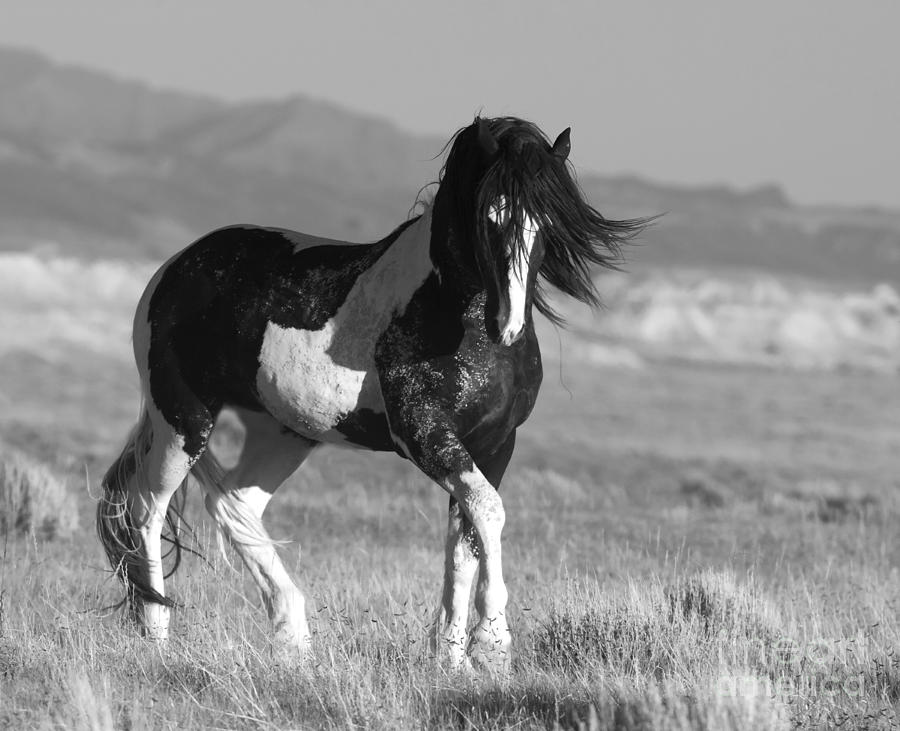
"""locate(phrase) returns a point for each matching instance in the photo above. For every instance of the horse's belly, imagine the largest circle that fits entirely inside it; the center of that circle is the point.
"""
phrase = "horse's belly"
(308, 384)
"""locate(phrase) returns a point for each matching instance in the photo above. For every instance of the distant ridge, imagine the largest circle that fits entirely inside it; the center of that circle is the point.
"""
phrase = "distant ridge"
(94, 166)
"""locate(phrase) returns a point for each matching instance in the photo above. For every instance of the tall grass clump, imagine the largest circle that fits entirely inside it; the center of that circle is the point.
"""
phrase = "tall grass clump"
(707, 623)
(34, 501)
(656, 656)
(716, 603)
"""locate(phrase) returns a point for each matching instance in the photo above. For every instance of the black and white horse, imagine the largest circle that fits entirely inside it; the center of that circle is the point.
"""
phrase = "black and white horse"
(422, 344)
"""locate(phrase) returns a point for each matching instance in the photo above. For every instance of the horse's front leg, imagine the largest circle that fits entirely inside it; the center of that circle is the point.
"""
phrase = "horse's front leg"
(489, 643)
(461, 557)
(461, 552)
(441, 455)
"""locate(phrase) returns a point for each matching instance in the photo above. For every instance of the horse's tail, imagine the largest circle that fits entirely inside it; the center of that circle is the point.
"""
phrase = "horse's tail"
(122, 489)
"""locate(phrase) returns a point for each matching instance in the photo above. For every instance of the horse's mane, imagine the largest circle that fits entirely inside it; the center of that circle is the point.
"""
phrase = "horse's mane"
(533, 180)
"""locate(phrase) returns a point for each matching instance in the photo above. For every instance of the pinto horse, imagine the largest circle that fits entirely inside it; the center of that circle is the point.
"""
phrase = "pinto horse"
(422, 344)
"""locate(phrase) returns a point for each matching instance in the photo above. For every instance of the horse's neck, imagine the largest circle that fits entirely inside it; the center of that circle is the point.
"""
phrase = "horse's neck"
(460, 281)
(456, 270)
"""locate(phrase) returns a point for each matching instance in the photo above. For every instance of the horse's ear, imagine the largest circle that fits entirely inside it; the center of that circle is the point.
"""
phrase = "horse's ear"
(486, 139)
(562, 146)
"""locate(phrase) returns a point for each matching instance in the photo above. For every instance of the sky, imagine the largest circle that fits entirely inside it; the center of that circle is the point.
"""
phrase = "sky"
(802, 93)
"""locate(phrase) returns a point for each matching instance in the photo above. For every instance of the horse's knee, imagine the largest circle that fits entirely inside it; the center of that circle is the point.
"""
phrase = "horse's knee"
(483, 505)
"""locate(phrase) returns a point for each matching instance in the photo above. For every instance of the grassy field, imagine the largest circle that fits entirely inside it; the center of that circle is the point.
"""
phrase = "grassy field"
(686, 546)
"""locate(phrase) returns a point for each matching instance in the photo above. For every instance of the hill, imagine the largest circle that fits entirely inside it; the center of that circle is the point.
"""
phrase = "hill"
(96, 166)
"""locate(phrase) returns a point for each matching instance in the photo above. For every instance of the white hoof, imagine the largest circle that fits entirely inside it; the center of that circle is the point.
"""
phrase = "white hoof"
(489, 648)
(292, 645)
(155, 621)
(448, 643)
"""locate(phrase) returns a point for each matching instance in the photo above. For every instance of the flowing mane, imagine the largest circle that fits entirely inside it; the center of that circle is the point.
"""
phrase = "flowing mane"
(534, 181)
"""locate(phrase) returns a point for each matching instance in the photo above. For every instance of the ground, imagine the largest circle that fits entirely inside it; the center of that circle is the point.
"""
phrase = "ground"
(687, 546)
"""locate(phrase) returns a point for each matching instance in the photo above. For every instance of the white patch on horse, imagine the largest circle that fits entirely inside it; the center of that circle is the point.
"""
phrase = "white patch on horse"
(517, 277)
(310, 379)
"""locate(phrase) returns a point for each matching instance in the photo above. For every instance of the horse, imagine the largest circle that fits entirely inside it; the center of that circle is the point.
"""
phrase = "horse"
(422, 344)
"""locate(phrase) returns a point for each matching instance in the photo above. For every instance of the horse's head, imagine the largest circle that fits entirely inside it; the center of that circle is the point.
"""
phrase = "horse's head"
(497, 167)
(516, 212)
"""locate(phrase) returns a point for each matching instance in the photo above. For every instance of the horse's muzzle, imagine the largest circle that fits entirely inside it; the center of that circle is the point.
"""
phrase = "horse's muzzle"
(511, 332)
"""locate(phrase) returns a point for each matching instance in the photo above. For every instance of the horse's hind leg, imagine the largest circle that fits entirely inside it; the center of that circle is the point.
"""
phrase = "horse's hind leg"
(270, 455)
(134, 508)
(168, 466)
(461, 564)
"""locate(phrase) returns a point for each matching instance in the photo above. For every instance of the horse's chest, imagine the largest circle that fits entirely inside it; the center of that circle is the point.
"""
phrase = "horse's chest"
(496, 396)
(311, 379)
(495, 393)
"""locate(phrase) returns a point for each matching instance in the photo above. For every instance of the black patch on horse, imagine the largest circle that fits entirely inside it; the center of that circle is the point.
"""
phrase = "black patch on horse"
(369, 429)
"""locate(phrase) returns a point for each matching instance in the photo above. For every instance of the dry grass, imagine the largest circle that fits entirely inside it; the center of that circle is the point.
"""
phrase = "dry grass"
(662, 646)
(33, 500)
(687, 550)
(697, 651)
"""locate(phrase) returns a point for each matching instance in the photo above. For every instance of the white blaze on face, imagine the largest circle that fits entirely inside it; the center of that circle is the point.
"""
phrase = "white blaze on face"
(517, 277)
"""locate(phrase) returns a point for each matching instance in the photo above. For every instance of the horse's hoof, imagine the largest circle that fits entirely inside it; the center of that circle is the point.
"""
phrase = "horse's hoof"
(291, 647)
(489, 650)
(491, 661)
(454, 661)
(462, 669)
(159, 641)
(153, 620)
(449, 648)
